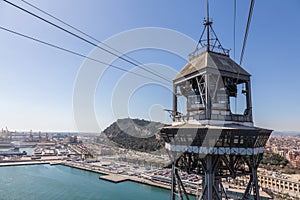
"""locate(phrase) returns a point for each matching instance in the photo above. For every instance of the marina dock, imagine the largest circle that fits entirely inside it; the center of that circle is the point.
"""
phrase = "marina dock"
(118, 178)
(6, 164)
(115, 178)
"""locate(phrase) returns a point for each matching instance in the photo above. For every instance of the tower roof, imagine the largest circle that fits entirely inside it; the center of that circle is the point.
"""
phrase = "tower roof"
(214, 61)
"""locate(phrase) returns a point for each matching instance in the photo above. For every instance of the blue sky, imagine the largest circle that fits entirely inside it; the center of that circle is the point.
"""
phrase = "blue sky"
(37, 82)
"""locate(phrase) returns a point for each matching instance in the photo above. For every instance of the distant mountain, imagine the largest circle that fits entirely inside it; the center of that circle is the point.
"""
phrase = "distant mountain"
(136, 134)
(286, 133)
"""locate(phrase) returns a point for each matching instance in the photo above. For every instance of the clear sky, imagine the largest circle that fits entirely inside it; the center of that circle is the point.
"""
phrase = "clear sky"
(37, 82)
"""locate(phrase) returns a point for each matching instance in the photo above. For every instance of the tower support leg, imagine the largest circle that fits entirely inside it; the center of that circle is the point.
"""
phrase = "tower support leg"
(211, 185)
(177, 186)
(209, 177)
(173, 182)
(253, 163)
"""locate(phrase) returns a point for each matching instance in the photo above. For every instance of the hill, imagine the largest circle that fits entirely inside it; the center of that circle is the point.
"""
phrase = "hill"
(136, 134)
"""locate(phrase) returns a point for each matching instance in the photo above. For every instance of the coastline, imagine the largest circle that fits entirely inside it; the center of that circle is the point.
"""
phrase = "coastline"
(106, 175)
(114, 177)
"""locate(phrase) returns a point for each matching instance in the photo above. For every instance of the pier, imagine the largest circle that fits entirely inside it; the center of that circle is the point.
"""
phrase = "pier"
(115, 178)
(6, 164)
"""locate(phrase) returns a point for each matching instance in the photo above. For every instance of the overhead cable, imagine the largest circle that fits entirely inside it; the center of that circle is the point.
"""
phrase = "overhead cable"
(247, 30)
(76, 53)
(84, 33)
(83, 39)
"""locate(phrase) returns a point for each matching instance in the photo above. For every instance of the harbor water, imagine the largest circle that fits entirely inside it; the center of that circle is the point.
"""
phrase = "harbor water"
(48, 182)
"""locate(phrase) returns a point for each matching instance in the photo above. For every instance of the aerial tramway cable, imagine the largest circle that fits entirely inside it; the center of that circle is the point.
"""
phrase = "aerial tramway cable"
(75, 53)
(234, 28)
(86, 34)
(120, 56)
(83, 39)
(245, 36)
(234, 46)
(247, 30)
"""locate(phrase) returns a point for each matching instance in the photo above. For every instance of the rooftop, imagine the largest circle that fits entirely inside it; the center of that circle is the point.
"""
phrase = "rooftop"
(211, 60)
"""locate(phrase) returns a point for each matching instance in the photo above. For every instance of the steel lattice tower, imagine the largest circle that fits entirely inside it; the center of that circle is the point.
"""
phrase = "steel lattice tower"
(210, 139)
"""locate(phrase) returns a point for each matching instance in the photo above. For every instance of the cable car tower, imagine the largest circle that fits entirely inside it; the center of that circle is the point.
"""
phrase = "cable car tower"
(210, 139)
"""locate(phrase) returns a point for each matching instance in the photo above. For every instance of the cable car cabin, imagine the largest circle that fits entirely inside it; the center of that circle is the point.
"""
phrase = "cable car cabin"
(210, 82)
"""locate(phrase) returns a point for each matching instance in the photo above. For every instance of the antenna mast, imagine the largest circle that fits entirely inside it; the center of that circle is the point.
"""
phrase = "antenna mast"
(207, 23)
(210, 43)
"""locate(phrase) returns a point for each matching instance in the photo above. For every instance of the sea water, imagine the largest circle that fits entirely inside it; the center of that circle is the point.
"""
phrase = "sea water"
(46, 182)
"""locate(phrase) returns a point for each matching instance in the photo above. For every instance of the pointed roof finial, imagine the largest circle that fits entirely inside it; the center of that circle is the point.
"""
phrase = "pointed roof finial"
(210, 43)
(207, 24)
